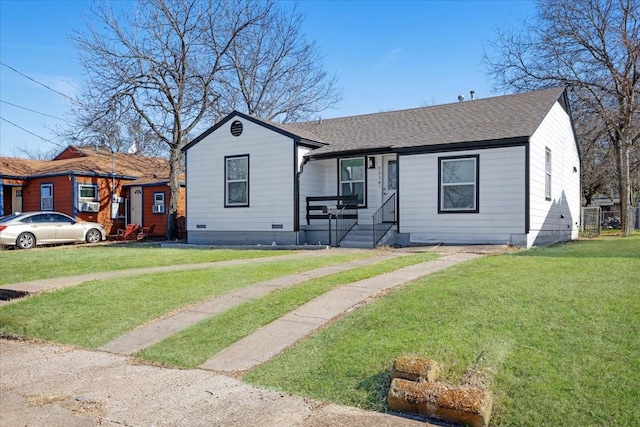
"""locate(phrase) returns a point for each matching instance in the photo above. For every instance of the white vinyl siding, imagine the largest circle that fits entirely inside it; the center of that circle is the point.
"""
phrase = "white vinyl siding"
(318, 178)
(271, 187)
(555, 216)
(501, 215)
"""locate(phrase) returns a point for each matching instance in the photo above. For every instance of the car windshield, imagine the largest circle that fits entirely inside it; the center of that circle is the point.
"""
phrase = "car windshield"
(7, 218)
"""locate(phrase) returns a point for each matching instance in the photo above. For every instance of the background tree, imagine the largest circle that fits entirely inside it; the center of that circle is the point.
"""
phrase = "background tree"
(162, 72)
(593, 48)
(276, 74)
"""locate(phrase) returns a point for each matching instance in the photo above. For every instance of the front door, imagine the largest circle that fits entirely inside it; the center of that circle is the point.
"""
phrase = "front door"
(136, 205)
(16, 199)
(389, 184)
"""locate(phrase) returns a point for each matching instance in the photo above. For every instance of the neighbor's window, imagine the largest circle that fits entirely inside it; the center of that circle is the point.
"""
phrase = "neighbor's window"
(236, 172)
(352, 178)
(46, 197)
(458, 184)
(88, 192)
(158, 203)
(547, 174)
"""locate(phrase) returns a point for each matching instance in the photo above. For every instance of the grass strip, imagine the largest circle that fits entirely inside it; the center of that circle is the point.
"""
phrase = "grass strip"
(94, 313)
(194, 345)
(44, 263)
(561, 326)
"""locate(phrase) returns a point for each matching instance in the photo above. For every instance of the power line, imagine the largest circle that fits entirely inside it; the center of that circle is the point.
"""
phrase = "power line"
(40, 83)
(33, 111)
(36, 135)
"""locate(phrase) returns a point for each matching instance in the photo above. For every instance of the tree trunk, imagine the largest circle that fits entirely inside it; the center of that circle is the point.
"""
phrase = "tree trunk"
(624, 184)
(174, 188)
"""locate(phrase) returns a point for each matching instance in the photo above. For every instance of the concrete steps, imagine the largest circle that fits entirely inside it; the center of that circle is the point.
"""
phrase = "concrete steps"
(360, 236)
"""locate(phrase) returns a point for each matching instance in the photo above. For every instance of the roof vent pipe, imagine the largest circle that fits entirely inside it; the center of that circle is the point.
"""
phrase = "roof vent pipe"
(473, 94)
(460, 98)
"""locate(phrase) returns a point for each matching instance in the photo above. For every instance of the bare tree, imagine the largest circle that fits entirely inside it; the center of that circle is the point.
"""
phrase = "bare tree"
(276, 74)
(168, 63)
(162, 62)
(593, 48)
(598, 169)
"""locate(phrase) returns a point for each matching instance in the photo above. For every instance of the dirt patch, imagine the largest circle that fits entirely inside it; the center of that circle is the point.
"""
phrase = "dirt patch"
(46, 384)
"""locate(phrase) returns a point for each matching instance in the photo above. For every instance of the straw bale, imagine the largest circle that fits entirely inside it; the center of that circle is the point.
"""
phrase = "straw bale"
(414, 368)
(462, 405)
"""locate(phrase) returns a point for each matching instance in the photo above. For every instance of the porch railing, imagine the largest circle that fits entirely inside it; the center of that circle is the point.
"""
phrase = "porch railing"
(383, 219)
(317, 205)
(346, 219)
(340, 210)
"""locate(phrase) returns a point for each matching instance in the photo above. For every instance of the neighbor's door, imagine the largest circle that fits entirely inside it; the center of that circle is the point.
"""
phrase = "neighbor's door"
(389, 184)
(16, 199)
(136, 205)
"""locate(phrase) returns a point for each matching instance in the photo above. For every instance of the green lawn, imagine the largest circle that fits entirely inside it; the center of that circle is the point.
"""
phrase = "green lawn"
(96, 312)
(559, 328)
(43, 263)
(196, 344)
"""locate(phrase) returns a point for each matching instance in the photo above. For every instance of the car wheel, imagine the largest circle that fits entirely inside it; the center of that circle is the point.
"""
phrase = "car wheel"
(93, 236)
(25, 241)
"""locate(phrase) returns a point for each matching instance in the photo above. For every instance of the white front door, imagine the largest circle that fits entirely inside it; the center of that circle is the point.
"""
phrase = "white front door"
(136, 205)
(389, 183)
(16, 199)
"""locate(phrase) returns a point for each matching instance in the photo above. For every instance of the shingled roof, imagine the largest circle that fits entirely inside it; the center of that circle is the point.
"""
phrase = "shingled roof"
(510, 117)
(82, 160)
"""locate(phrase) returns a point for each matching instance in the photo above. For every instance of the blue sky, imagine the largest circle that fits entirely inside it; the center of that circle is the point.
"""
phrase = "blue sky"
(387, 55)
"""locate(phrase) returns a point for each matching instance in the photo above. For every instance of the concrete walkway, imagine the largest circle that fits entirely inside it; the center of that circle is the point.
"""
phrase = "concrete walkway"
(51, 284)
(275, 337)
(159, 329)
(272, 339)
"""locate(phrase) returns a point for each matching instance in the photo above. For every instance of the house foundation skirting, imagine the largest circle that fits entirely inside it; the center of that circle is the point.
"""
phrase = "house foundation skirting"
(201, 237)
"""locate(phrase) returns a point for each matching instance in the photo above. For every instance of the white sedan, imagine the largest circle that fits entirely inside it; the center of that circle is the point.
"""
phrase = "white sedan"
(28, 229)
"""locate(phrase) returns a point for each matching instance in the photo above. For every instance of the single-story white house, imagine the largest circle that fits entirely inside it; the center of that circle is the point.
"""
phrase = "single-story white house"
(501, 170)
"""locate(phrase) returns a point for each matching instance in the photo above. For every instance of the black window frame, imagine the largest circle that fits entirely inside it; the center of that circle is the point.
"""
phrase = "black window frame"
(362, 205)
(476, 208)
(226, 182)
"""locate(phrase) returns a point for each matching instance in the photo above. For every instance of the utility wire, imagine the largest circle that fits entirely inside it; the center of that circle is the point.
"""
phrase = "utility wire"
(40, 83)
(33, 111)
(36, 135)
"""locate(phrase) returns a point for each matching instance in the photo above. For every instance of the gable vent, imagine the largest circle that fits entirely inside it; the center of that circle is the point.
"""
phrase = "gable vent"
(236, 128)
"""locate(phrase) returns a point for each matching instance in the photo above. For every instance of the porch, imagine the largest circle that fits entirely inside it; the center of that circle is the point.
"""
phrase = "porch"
(336, 221)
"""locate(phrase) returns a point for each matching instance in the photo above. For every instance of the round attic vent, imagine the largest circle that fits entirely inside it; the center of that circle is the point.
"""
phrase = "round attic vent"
(236, 128)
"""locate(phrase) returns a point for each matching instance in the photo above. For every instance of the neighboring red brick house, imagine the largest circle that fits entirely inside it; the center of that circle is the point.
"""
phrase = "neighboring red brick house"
(113, 189)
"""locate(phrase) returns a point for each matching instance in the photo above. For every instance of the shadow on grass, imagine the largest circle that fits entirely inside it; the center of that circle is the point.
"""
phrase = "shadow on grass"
(604, 247)
(377, 389)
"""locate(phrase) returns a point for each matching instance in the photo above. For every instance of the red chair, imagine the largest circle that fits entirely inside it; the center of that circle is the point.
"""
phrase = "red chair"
(130, 232)
(145, 232)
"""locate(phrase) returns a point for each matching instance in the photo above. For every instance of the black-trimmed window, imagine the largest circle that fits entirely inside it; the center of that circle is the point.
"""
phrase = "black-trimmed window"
(236, 188)
(352, 178)
(458, 191)
(547, 173)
